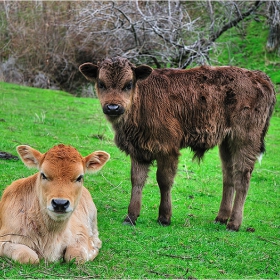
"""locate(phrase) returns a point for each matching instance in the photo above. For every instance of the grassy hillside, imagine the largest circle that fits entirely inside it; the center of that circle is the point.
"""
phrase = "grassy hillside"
(192, 247)
(245, 47)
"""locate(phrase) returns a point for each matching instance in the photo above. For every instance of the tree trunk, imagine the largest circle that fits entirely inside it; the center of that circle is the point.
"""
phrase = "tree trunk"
(273, 41)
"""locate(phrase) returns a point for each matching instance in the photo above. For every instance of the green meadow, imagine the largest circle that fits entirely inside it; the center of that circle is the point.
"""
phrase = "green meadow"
(192, 247)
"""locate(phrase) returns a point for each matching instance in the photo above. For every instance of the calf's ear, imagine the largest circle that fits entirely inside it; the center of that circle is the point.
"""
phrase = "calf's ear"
(96, 161)
(142, 72)
(29, 156)
(89, 70)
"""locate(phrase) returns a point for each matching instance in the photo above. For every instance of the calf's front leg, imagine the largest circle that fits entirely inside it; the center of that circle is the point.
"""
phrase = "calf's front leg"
(228, 185)
(18, 252)
(82, 250)
(139, 173)
(80, 254)
(166, 171)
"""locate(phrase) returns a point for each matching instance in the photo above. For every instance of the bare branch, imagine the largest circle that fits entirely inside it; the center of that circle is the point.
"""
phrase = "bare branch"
(234, 22)
(202, 46)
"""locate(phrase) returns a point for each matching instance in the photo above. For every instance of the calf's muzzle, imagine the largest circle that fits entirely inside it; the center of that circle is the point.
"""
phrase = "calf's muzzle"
(113, 110)
(60, 205)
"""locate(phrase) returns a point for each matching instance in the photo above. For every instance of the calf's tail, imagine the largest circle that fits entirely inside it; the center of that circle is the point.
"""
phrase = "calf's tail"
(265, 129)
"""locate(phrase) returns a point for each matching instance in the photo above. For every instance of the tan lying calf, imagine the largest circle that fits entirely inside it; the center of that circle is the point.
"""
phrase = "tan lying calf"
(50, 214)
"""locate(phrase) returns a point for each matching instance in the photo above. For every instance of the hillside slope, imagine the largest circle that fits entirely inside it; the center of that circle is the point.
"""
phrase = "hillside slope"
(245, 47)
(192, 247)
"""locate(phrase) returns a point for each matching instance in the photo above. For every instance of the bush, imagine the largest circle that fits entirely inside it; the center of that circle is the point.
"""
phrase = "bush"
(42, 43)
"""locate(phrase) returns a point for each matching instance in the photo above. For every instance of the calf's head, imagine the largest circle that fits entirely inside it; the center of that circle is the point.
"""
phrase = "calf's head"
(60, 179)
(115, 82)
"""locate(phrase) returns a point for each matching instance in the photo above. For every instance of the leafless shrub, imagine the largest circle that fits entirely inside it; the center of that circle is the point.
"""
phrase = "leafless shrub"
(52, 38)
(88, 91)
(10, 72)
(41, 81)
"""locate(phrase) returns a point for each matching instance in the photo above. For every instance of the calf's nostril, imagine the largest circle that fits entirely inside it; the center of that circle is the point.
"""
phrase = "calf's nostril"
(60, 205)
(113, 107)
(113, 110)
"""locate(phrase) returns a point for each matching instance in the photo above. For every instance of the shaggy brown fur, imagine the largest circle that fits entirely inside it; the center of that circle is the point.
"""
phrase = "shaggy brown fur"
(50, 214)
(155, 113)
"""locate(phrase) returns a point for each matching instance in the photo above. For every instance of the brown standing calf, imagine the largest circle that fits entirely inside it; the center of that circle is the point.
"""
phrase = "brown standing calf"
(155, 113)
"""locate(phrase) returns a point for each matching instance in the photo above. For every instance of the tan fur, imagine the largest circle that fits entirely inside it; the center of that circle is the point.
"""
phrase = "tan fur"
(30, 228)
(165, 110)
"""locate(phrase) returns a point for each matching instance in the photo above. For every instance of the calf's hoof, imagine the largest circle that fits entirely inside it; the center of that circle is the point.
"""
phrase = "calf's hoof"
(26, 257)
(78, 255)
(129, 220)
(164, 221)
(232, 227)
(222, 221)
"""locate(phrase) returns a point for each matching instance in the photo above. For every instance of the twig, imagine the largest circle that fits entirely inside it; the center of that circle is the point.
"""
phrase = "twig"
(203, 46)
(178, 257)
(112, 185)
(164, 274)
(267, 240)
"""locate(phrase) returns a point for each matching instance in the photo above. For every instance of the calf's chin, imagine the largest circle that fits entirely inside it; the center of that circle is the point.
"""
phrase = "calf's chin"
(59, 217)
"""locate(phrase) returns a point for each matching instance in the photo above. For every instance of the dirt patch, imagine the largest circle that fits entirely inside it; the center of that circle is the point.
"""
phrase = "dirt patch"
(5, 155)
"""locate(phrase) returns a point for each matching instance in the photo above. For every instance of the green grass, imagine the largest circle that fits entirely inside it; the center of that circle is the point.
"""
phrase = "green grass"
(246, 48)
(192, 247)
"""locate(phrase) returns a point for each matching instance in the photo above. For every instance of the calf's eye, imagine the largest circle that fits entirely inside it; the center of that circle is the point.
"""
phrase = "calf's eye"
(101, 85)
(80, 178)
(128, 86)
(43, 176)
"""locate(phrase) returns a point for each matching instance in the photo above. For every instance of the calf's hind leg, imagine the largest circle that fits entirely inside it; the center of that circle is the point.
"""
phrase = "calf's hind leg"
(243, 164)
(241, 179)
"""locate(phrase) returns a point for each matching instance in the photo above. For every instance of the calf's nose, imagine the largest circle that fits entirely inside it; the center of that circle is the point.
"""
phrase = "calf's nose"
(60, 205)
(113, 109)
